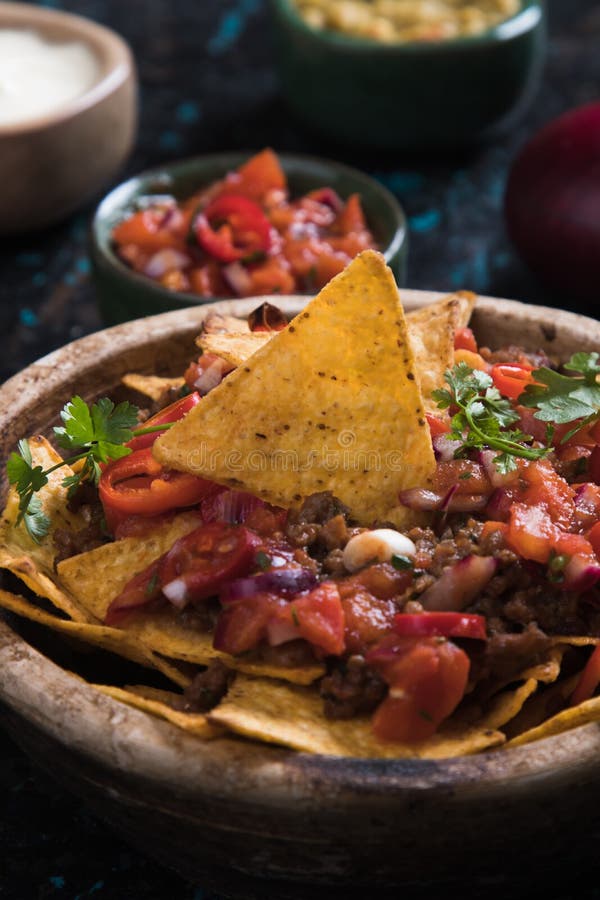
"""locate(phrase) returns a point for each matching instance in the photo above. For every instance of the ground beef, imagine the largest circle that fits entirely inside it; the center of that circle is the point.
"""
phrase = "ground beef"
(351, 690)
(68, 543)
(506, 655)
(435, 553)
(202, 617)
(321, 525)
(515, 354)
(207, 688)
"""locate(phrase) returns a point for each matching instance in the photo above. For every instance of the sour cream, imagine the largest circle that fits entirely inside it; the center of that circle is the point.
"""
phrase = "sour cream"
(38, 77)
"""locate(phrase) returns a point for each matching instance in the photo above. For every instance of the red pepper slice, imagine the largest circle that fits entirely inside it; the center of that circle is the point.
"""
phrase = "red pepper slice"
(589, 681)
(440, 624)
(138, 485)
(172, 413)
(233, 227)
(511, 379)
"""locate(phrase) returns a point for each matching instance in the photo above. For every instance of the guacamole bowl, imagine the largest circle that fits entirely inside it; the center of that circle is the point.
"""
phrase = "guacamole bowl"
(252, 820)
(428, 96)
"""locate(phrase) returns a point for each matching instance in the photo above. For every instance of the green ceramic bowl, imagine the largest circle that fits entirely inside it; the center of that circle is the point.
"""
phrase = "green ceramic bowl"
(124, 294)
(426, 95)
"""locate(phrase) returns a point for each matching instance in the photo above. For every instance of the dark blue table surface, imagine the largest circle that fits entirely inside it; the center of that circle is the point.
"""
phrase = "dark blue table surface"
(208, 83)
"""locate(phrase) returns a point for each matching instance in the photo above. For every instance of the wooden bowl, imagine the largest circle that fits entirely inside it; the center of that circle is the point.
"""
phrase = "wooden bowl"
(253, 820)
(51, 164)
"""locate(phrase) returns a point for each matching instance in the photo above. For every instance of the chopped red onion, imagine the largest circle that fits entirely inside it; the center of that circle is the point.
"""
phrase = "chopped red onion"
(165, 261)
(444, 448)
(580, 574)
(176, 592)
(237, 277)
(499, 504)
(459, 584)
(451, 501)
(275, 581)
(498, 480)
(212, 376)
(229, 506)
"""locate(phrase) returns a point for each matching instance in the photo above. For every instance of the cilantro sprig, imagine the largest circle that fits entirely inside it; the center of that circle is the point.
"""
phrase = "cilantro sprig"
(561, 399)
(483, 418)
(92, 435)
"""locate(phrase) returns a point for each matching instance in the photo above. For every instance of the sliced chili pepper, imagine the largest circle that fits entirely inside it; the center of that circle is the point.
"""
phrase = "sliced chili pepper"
(171, 413)
(138, 485)
(440, 624)
(232, 227)
(511, 379)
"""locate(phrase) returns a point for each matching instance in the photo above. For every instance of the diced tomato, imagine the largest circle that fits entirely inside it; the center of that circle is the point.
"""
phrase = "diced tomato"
(511, 379)
(589, 680)
(200, 562)
(489, 527)
(351, 218)
(531, 532)
(171, 413)
(468, 477)
(427, 678)
(547, 488)
(141, 591)
(317, 617)
(271, 277)
(437, 425)
(207, 280)
(147, 229)
(328, 264)
(440, 624)
(464, 339)
(587, 505)
(594, 538)
(367, 618)
(594, 466)
(473, 360)
(255, 178)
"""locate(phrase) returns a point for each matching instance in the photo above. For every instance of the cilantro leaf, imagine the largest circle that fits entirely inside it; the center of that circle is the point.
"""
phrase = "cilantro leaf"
(35, 519)
(483, 417)
(103, 428)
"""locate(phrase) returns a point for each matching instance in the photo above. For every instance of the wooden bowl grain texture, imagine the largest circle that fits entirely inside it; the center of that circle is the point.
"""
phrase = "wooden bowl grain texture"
(258, 821)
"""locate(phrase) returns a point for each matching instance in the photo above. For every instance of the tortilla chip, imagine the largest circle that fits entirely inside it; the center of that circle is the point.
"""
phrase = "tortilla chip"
(355, 426)
(95, 578)
(507, 704)
(221, 323)
(432, 330)
(234, 348)
(569, 718)
(292, 716)
(112, 639)
(33, 562)
(152, 386)
(194, 723)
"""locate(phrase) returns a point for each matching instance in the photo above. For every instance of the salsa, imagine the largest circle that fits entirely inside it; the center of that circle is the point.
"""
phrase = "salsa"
(244, 235)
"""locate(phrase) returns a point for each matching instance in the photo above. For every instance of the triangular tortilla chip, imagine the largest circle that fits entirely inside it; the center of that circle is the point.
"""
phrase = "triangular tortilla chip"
(152, 386)
(432, 330)
(33, 562)
(156, 703)
(330, 403)
(234, 348)
(95, 578)
(112, 639)
(293, 716)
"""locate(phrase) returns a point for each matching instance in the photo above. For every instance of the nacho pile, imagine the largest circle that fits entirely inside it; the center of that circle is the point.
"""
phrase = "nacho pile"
(332, 407)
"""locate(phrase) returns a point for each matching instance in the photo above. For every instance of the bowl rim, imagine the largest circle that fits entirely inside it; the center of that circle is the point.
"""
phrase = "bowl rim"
(550, 757)
(116, 68)
(526, 19)
(124, 193)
